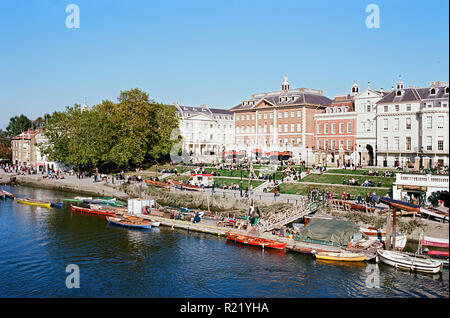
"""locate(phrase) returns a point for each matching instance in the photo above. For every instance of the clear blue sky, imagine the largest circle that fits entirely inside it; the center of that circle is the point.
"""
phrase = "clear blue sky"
(211, 52)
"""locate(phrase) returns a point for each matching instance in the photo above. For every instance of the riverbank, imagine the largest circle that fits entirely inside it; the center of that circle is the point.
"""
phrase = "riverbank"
(69, 183)
(205, 200)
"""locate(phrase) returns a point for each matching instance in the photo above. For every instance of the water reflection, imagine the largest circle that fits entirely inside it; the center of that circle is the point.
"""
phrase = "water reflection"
(37, 244)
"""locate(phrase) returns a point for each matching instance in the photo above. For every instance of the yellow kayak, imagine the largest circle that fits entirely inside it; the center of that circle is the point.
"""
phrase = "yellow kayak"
(346, 257)
(44, 204)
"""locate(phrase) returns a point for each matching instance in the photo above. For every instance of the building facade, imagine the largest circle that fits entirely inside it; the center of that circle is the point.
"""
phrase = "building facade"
(207, 132)
(281, 121)
(366, 125)
(23, 147)
(26, 151)
(335, 132)
(413, 126)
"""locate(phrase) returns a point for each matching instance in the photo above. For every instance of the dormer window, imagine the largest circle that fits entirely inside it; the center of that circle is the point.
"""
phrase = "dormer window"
(446, 90)
(292, 98)
(399, 93)
(432, 91)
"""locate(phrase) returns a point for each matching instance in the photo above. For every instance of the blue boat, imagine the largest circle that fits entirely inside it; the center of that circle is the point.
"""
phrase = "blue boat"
(134, 223)
(56, 204)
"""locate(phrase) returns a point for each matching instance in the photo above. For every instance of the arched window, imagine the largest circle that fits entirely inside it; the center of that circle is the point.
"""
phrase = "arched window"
(399, 93)
(432, 91)
(446, 90)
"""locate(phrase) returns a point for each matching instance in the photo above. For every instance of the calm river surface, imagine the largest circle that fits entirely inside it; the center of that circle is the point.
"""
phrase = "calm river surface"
(36, 245)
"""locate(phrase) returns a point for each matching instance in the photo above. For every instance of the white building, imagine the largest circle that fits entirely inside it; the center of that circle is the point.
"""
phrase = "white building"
(207, 132)
(366, 124)
(413, 126)
(417, 188)
(42, 162)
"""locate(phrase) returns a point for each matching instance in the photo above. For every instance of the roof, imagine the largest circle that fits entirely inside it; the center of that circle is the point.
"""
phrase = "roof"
(26, 135)
(294, 97)
(414, 94)
(192, 110)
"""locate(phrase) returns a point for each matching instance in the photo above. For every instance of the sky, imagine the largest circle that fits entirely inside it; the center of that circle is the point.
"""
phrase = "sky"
(211, 52)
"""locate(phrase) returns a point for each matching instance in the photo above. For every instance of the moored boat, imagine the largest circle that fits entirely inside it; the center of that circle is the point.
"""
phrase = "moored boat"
(438, 255)
(256, 241)
(43, 204)
(342, 257)
(56, 204)
(7, 194)
(372, 232)
(134, 218)
(440, 215)
(142, 224)
(407, 262)
(92, 211)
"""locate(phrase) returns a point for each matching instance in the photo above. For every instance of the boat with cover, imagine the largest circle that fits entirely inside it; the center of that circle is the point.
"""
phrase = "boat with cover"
(256, 241)
(92, 211)
(404, 261)
(343, 256)
(44, 204)
(142, 224)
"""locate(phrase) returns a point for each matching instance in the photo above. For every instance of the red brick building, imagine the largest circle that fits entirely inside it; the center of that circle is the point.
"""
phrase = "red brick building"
(279, 121)
(335, 132)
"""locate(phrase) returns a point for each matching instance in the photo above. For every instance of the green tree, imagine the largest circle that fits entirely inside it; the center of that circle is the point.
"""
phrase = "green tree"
(129, 133)
(5, 146)
(18, 124)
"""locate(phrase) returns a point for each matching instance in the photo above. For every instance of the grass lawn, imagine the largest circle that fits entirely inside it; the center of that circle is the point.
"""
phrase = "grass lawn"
(338, 179)
(303, 189)
(245, 172)
(359, 171)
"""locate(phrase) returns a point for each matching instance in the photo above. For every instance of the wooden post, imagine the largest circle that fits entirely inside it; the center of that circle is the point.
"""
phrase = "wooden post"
(394, 227)
(388, 230)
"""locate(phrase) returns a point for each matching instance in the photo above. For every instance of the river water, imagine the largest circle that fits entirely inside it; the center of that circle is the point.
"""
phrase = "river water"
(37, 244)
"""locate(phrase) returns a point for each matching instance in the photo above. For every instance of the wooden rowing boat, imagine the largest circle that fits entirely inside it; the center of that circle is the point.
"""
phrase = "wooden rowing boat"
(342, 257)
(256, 241)
(400, 205)
(8, 194)
(405, 261)
(372, 232)
(181, 185)
(441, 215)
(141, 224)
(43, 204)
(92, 211)
(157, 183)
(56, 204)
(137, 219)
(107, 208)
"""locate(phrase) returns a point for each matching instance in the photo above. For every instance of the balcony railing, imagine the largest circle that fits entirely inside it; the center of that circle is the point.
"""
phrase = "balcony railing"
(422, 180)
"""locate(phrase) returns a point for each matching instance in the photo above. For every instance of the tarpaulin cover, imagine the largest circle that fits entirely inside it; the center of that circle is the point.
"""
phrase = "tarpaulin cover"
(336, 232)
